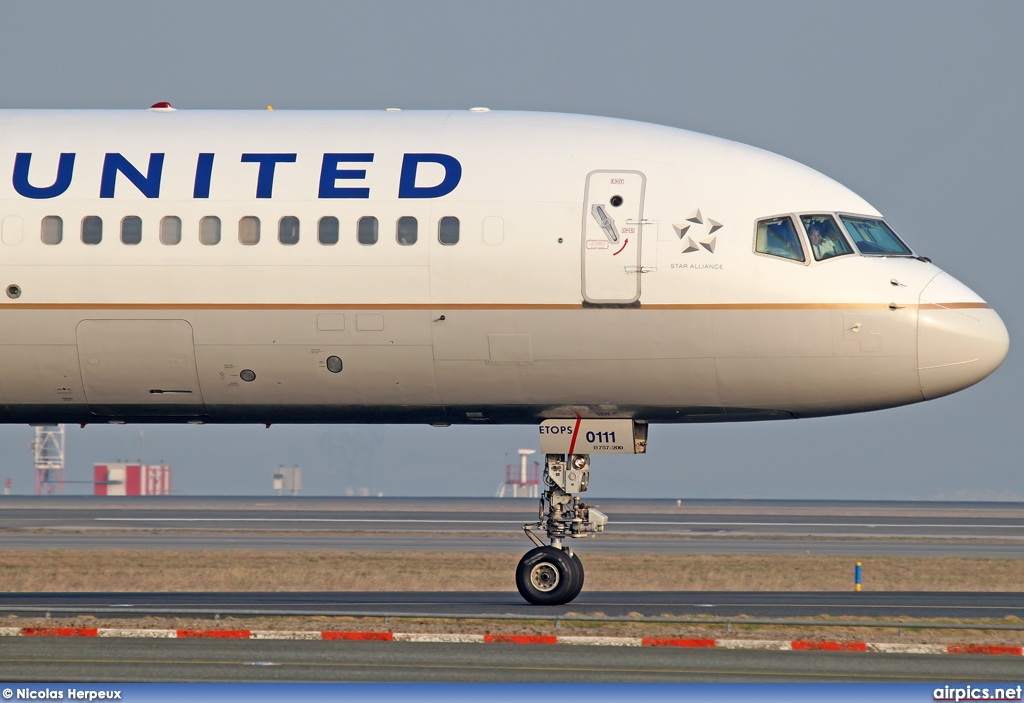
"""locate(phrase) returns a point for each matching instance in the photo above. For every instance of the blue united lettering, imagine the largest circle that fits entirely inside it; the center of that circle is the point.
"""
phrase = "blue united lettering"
(65, 169)
(148, 185)
(342, 175)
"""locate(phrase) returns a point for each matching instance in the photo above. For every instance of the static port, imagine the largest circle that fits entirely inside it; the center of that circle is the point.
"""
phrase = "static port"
(247, 375)
(334, 364)
(13, 291)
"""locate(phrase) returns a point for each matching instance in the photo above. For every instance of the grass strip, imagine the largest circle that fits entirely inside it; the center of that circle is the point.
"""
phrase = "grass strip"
(253, 570)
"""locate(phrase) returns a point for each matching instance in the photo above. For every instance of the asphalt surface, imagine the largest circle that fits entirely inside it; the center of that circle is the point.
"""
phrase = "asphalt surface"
(487, 524)
(515, 543)
(937, 604)
(120, 660)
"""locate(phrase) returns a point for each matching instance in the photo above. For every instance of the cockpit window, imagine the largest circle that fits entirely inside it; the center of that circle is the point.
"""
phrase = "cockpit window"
(778, 237)
(874, 237)
(825, 237)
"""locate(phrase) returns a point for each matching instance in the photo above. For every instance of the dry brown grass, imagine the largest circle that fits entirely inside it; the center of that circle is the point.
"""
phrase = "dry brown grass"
(109, 570)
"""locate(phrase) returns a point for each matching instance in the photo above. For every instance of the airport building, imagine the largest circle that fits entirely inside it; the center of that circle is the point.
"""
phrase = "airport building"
(131, 480)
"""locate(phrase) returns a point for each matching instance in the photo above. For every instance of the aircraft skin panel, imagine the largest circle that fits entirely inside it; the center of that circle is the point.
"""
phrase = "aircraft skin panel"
(293, 375)
(43, 375)
(574, 335)
(697, 323)
(790, 366)
(607, 384)
(816, 386)
(529, 266)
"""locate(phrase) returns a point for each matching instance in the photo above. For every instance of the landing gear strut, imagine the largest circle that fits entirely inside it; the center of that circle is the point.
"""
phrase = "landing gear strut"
(552, 574)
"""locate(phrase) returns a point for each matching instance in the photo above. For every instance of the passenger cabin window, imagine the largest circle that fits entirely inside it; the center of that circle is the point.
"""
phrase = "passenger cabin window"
(367, 230)
(874, 237)
(52, 231)
(288, 230)
(825, 237)
(407, 230)
(249, 230)
(327, 230)
(170, 230)
(209, 230)
(131, 230)
(92, 230)
(448, 230)
(778, 237)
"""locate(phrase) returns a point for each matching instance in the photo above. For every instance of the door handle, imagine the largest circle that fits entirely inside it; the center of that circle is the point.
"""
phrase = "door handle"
(606, 222)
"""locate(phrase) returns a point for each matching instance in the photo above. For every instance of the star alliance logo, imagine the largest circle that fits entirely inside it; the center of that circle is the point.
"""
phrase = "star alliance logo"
(703, 235)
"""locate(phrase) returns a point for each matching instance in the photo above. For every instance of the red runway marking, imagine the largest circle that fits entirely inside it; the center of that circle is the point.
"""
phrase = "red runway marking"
(214, 634)
(674, 642)
(521, 639)
(60, 632)
(984, 649)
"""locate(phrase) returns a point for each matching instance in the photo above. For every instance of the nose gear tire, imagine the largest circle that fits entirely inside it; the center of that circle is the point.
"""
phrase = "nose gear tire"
(547, 576)
(578, 565)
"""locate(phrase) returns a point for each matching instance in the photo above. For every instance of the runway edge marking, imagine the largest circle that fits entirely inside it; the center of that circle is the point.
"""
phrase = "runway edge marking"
(592, 641)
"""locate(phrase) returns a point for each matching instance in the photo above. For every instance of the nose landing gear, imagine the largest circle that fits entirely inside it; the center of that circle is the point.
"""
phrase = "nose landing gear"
(552, 574)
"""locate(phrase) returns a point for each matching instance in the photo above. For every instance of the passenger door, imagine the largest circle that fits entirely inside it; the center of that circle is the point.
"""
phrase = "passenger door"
(613, 208)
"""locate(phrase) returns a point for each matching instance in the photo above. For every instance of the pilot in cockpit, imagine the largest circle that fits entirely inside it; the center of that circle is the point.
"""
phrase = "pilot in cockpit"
(826, 241)
(823, 248)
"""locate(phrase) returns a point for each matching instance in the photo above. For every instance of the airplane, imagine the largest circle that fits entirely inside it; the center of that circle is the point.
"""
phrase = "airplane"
(587, 275)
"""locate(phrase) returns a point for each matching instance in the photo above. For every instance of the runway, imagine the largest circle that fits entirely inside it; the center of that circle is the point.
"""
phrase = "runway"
(487, 524)
(484, 603)
(514, 543)
(849, 528)
(111, 660)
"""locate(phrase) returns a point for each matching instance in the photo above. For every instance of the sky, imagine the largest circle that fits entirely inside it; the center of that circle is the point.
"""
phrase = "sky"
(914, 105)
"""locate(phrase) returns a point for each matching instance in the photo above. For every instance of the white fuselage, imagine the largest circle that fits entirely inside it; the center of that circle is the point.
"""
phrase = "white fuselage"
(556, 300)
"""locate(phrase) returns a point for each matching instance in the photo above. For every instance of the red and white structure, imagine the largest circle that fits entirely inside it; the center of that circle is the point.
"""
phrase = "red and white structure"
(522, 481)
(131, 480)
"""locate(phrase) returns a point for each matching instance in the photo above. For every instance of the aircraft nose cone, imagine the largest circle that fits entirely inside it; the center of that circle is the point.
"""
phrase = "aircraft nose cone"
(960, 339)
